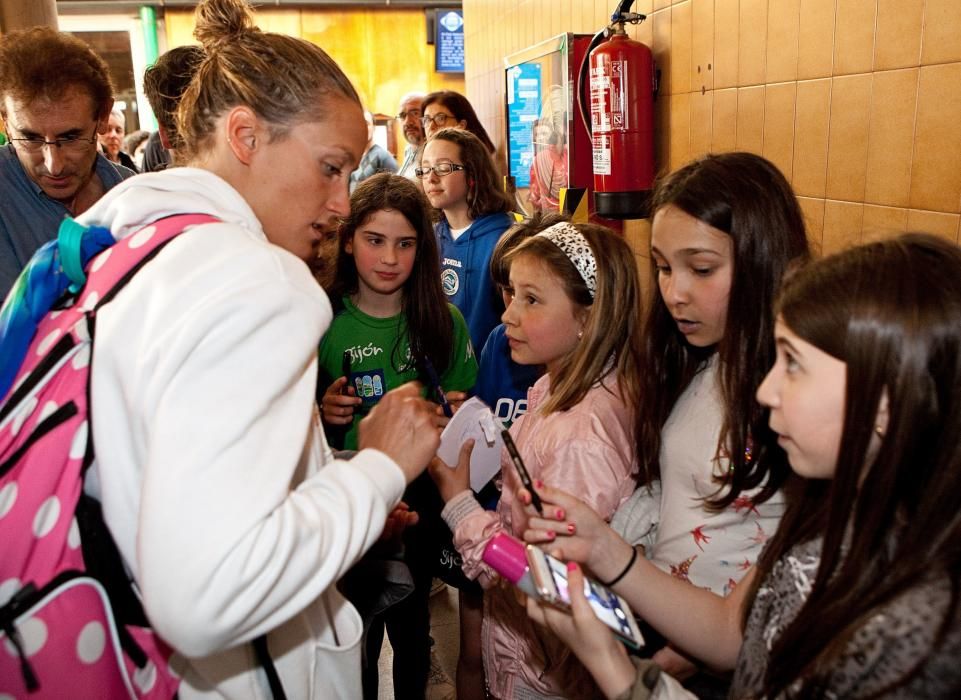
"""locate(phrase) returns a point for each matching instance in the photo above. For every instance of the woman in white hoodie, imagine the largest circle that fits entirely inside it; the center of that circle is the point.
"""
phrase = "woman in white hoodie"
(227, 507)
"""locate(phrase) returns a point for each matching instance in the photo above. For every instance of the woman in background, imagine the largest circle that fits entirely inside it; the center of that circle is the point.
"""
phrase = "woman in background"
(447, 108)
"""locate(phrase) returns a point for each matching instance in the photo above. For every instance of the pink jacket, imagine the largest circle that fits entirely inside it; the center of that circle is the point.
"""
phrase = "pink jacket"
(587, 451)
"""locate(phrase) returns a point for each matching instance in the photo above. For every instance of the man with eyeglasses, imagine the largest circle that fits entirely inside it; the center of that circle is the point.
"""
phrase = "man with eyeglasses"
(55, 97)
(410, 116)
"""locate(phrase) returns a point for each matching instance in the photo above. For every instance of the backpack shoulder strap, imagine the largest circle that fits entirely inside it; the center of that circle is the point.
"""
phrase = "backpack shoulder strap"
(112, 269)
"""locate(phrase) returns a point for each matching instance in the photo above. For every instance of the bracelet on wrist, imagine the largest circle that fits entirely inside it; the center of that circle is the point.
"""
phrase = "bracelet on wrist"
(627, 568)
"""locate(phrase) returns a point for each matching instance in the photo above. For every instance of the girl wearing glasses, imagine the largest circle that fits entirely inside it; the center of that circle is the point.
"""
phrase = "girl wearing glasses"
(447, 108)
(459, 179)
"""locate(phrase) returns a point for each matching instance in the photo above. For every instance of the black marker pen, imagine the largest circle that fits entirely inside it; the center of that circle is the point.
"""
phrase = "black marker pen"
(522, 470)
(436, 387)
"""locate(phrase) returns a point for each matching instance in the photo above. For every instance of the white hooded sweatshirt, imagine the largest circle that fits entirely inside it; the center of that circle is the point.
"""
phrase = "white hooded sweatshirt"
(213, 472)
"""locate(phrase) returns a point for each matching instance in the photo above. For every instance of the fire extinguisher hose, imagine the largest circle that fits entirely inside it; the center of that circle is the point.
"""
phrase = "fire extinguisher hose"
(621, 15)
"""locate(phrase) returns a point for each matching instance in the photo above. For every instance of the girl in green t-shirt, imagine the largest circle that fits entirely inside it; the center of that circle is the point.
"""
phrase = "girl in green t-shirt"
(392, 321)
(391, 316)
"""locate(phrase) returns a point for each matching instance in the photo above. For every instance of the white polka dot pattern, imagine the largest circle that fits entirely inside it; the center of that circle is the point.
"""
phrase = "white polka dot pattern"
(33, 635)
(90, 302)
(81, 331)
(8, 496)
(23, 414)
(8, 588)
(91, 642)
(18, 383)
(73, 536)
(145, 678)
(47, 516)
(48, 342)
(82, 358)
(79, 445)
(141, 237)
(99, 261)
(48, 410)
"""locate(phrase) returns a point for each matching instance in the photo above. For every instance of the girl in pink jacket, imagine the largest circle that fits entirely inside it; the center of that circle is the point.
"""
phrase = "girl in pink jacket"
(575, 297)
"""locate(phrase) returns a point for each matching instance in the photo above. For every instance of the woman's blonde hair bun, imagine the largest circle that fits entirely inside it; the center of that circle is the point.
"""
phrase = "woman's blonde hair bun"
(218, 22)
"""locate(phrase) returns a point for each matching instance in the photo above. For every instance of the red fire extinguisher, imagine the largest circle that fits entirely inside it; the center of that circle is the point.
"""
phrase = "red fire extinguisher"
(621, 117)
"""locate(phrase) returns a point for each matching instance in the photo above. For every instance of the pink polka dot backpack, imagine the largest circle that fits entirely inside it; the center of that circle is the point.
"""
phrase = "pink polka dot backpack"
(70, 624)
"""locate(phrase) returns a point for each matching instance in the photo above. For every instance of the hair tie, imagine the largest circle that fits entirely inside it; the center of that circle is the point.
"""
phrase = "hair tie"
(630, 563)
(573, 244)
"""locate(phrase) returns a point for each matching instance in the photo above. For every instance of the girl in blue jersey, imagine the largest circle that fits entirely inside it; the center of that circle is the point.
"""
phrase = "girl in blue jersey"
(501, 382)
(460, 181)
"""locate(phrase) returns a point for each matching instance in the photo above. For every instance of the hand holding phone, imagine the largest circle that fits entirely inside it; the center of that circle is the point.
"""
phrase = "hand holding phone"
(550, 581)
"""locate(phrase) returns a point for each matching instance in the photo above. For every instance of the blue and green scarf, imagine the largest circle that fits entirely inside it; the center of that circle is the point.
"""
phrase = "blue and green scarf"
(57, 267)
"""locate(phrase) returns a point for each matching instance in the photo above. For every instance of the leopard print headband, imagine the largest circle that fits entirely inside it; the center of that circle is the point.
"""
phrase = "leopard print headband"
(573, 244)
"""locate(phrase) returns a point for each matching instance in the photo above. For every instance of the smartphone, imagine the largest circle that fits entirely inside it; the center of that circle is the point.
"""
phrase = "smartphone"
(609, 607)
(345, 368)
(542, 576)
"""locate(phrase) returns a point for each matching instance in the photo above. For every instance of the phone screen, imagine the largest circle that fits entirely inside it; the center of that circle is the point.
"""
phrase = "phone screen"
(609, 607)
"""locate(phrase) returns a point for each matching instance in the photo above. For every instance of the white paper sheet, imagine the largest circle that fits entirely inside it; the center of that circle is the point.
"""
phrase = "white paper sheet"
(474, 420)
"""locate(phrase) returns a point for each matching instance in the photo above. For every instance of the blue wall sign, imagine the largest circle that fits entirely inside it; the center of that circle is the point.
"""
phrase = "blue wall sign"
(523, 109)
(449, 42)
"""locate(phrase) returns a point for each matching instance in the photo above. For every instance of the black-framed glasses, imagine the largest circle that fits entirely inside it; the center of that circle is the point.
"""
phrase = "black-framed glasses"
(74, 143)
(415, 113)
(438, 119)
(440, 170)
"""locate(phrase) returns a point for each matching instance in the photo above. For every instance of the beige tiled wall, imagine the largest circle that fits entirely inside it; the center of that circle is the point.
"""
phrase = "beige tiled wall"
(352, 36)
(857, 101)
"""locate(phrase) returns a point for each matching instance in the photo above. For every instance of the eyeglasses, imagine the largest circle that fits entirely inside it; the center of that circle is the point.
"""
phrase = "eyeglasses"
(440, 170)
(415, 113)
(74, 144)
(438, 119)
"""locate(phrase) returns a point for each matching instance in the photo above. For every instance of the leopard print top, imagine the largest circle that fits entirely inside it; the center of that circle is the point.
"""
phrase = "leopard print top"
(883, 650)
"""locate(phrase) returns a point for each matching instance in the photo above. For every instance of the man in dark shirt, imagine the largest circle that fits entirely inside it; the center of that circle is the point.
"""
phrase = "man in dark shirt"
(55, 97)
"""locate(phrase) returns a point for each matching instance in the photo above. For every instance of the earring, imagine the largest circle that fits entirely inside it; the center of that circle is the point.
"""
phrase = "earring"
(879, 431)
(580, 334)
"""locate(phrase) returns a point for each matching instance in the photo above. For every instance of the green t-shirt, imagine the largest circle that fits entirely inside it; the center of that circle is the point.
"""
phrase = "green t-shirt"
(375, 359)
